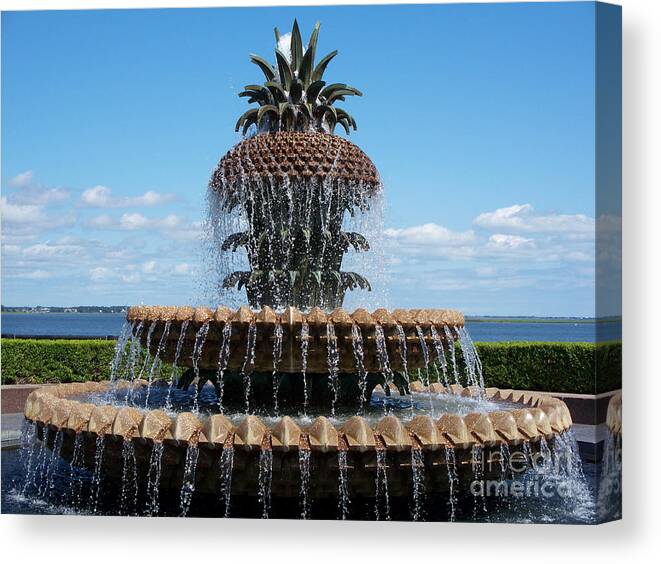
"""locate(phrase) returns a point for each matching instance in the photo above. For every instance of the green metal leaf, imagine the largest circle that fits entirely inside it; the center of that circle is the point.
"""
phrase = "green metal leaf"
(235, 241)
(283, 69)
(296, 46)
(339, 95)
(345, 124)
(244, 117)
(276, 90)
(266, 109)
(307, 63)
(296, 91)
(293, 274)
(312, 91)
(267, 68)
(318, 72)
(252, 120)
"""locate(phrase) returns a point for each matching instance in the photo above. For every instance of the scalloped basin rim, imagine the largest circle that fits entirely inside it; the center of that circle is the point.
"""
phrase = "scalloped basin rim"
(539, 416)
(293, 316)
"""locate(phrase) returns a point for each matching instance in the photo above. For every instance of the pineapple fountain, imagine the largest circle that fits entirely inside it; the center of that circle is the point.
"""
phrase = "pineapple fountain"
(306, 400)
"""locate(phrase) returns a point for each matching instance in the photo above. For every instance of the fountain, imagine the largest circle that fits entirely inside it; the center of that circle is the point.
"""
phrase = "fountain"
(292, 396)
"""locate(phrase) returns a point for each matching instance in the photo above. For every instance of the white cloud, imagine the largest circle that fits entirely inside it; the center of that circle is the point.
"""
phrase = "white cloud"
(28, 219)
(101, 197)
(99, 273)
(183, 268)
(430, 234)
(37, 275)
(502, 241)
(521, 217)
(20, 214)
(29, 192)
(149, 267)
(53, 250)
(21, 180)
(133, 221)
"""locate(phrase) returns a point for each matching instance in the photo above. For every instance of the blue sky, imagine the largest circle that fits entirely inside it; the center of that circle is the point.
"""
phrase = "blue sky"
(480, 119)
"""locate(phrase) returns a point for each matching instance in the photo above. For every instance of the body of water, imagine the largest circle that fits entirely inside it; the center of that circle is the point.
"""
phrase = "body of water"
(110, 324)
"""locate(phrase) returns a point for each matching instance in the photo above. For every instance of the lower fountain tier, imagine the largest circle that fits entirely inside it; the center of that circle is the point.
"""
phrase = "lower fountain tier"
(265, 340)
(539, 417)
(361, 466)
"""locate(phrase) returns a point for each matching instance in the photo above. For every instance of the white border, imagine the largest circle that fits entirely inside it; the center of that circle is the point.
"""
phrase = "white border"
(91, 540)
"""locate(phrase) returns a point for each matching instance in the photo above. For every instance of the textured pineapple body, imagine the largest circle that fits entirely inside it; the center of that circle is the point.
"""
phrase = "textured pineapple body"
(293, 154)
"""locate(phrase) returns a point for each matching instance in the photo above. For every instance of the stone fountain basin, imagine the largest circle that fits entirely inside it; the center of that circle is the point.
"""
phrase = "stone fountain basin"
(538, 417)
(186, 319)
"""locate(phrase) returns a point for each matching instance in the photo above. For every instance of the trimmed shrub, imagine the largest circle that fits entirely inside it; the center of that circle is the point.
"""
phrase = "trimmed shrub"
(546, 367)
(584, 368)
(40, 361)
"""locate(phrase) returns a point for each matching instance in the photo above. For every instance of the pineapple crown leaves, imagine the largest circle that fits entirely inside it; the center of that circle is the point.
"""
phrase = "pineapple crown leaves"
(294, 96)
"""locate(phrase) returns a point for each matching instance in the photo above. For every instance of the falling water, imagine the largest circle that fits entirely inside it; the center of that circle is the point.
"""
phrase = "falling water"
(527, 452)
(333, 358)
(453, 354)
(154, 478)
(29, 444)
(134, 354)
(226, 467)
(223, 359)
(382, 497)
(440, 353)
(382, 356)
(305, 335)
(177, 354)
(505, 469)
(120, 350)
(477, 462)
(359, 355)
(150, 333)
(425, 357)
(609, 497)
(156, 362)
(200, 338)
(277, 356)
(249, 362)
(265, 474)
(545, 452)
(304, 469)
(403, 352)
(48, 481)
(188, 483)
(453, 479)
(75, 475)
(96, 477)
(418, 483)
(471, 359)
(129, 497)
(344, 501)
(42, 460)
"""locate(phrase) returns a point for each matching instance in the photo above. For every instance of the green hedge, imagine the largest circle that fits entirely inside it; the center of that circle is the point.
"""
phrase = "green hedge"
(553, 367)
(558, 367)
(38, 361)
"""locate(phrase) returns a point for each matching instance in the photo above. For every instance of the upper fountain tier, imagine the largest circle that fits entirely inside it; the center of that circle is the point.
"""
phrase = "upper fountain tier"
(295, 155)
(385, 338)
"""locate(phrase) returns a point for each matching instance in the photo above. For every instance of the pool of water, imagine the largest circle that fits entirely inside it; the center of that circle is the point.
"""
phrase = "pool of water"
(174, 401)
